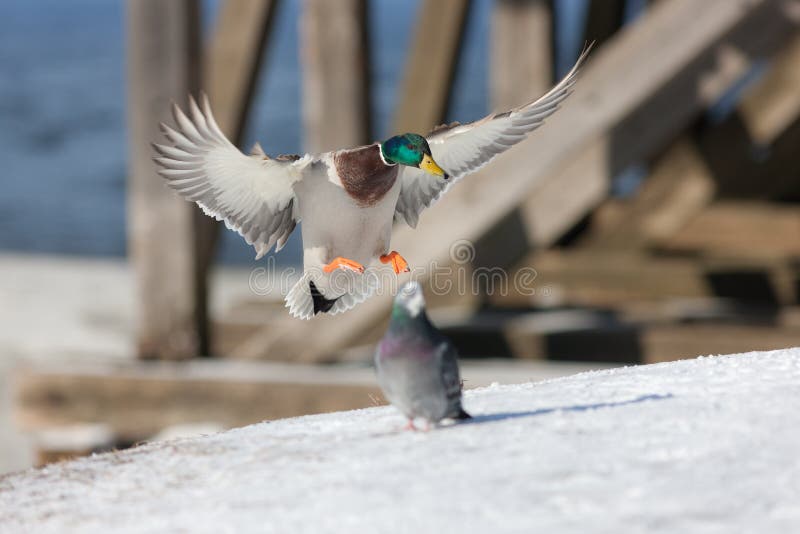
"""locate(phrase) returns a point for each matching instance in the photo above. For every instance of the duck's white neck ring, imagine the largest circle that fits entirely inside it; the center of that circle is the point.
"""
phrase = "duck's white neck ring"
(380, 151)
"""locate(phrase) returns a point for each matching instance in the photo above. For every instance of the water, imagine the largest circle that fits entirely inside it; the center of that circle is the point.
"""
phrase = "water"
(62, 111)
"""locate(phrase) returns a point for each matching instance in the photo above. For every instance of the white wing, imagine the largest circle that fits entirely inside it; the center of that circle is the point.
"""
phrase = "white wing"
(460, 149)
(253, 194)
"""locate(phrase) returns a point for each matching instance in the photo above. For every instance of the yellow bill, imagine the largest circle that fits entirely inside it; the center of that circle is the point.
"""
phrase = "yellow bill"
(428, 165)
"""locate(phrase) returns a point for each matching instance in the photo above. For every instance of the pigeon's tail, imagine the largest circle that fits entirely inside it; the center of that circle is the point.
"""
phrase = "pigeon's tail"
(462, 415)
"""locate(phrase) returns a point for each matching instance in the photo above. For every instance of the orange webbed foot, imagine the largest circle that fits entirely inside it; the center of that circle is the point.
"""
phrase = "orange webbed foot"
(399, 264)
(343, 263)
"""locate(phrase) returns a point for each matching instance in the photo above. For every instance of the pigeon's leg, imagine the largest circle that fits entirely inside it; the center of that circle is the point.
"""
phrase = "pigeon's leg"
(343, 263)
(410, 426)
(399, 264)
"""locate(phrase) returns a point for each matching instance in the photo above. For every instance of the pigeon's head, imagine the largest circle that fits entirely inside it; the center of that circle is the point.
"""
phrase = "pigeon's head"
(412, 150)
(409, 300)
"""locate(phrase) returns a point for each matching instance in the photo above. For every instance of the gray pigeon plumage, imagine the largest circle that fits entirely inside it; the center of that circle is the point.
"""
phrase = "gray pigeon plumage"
(417, 366)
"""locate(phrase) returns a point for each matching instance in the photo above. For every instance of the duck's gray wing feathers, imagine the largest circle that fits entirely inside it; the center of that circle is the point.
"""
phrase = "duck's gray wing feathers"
(253, 194)
(461, 149)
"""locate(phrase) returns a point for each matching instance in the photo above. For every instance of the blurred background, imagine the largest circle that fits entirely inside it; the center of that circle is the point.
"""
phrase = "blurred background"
(653, 218)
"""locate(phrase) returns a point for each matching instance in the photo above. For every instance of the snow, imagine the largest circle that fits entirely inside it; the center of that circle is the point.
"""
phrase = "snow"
(704, 445)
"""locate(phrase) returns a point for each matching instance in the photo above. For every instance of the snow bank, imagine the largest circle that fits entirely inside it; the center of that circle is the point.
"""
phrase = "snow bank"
(706, 445)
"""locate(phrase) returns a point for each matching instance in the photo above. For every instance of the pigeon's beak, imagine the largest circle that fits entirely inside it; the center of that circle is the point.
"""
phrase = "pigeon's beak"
(428, 165)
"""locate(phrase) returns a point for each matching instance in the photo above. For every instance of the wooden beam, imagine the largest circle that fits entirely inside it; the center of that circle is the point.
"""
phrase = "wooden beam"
(632, 98)
(522, 51)
(607, 279)
(163, 66)
(132, 401)
(629, 343)
(741, 229)
(617, 278)
(233, 61)
(425, 91)
(232, 66)
(679, 186)
(336, 97)
(773, 104)
(671, 342)
(137, 400)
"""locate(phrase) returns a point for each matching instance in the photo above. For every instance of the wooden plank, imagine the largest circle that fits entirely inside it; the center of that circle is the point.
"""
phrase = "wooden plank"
(233, 61)
(773, 104)
(336, 98)
(570, 334)
(436, 42)
(629, 343)
(671, 342)
(615, 117)
(138, 400)
(232, 65)
(587, 278)
(741, 229)
(522, 51)
(163, 66)
(594, 278)
(678, 187)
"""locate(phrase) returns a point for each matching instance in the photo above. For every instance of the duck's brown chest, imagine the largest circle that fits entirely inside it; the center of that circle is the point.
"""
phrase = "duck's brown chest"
(364, 175)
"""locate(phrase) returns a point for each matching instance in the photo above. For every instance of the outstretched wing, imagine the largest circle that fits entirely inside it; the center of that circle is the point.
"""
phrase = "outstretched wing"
(253, 194)
(460, 149)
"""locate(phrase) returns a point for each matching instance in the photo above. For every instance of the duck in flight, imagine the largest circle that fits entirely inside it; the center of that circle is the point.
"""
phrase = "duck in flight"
(347, 199)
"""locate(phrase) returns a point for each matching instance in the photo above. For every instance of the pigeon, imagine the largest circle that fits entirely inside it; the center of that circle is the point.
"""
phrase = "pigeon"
(417, 366)
(347, 199)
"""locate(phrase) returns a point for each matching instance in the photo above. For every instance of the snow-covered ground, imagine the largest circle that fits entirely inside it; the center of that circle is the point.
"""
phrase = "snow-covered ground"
(705, 445)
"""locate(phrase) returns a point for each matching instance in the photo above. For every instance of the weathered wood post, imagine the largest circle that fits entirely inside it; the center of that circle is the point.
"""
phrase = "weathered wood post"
(436, 42)
(336, 99)
(163, 65)
(522, 51)
(231, 67)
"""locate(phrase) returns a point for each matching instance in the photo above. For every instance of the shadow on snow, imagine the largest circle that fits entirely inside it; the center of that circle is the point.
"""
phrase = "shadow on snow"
(487, 418)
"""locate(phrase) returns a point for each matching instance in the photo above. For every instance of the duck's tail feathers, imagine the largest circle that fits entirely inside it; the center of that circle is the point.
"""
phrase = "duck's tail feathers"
(305, 300)
(300, 300)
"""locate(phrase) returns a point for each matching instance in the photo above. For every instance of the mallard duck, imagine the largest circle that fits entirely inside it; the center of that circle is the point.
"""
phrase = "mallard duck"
(347, 199)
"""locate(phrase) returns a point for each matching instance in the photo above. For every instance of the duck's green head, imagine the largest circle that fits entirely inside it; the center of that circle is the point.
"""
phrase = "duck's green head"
(412, 150)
